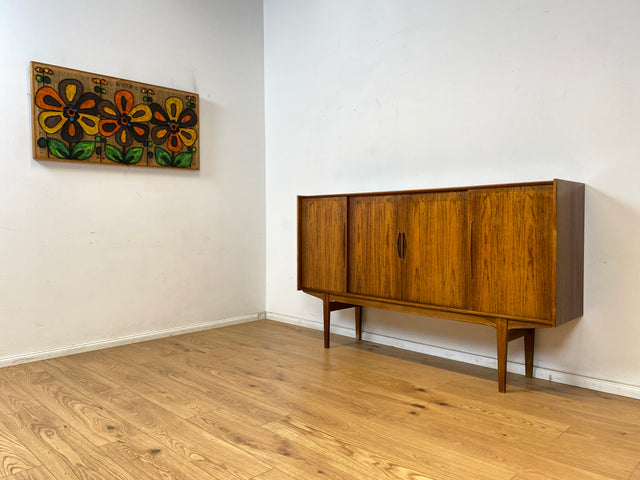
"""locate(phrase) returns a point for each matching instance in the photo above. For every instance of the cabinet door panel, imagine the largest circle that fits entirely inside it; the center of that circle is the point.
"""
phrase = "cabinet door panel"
(374, 263)
(436, 263)
(512, 238)
(322, 255)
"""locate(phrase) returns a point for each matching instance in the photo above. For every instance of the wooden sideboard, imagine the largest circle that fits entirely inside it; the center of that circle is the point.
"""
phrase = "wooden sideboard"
(509, 256)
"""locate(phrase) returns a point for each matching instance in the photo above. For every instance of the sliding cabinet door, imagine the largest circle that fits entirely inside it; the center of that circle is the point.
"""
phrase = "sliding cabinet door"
(374, 248)
(436, 262)
(513, 253)
(322, 253)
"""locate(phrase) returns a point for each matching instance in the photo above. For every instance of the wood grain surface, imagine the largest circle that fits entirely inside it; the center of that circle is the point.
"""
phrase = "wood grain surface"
(513, 251)
(265, 401)
(322, 249)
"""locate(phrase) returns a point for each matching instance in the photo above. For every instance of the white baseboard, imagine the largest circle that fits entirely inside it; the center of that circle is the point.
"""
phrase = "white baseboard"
(632, 391)
(115, 342)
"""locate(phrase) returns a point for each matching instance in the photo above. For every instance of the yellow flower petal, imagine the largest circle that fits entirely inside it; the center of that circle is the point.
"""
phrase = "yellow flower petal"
(70, 91)
(140, 113)
(89, 123)
(188, 136)
(110, 111)
(174, 108)
(51, 122)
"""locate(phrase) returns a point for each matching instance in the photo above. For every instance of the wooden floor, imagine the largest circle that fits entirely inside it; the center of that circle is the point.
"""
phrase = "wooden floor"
(265, 401)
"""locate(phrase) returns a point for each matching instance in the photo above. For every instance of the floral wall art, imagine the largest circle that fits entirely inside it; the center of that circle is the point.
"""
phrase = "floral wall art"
(86, 117)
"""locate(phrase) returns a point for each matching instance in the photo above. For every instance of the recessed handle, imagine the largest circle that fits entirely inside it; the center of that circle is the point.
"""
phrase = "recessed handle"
(471, 248)
(399, 245)
(404, 245)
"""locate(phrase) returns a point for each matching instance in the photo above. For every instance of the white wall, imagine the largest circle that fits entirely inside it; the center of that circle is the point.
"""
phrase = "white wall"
(90, 254)
(370, 95)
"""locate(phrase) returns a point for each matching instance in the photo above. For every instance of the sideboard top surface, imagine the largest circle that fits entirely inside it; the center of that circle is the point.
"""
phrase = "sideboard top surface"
(442, 189)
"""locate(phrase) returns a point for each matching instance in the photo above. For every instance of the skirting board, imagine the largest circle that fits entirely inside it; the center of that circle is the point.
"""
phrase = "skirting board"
(115, 342)
(632, 391)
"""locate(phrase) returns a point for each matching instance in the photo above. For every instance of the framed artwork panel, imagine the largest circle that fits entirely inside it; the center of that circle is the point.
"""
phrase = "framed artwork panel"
(86, 117)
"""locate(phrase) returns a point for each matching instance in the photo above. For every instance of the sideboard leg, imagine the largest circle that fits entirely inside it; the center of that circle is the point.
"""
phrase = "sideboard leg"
(327, 320)
(503, 342)
(529, 339)
(358, 322)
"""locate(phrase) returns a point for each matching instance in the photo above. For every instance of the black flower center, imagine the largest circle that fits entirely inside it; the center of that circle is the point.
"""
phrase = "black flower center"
(173, 126)
(70, 112)
(124, 120)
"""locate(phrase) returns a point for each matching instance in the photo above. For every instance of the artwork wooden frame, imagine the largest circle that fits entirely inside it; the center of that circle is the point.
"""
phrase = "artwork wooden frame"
(91, 118)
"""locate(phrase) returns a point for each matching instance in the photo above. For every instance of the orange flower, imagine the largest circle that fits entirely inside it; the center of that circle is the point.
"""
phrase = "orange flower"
(68, 110)
(124, 120)
(173, 124)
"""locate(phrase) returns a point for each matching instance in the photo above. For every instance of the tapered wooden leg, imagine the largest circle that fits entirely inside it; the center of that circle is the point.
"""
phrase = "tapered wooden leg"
(358, 322)
(503, 342)
(529, 339)
(327, 321)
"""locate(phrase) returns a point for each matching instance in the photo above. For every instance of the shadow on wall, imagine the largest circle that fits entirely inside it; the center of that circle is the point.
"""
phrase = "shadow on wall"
(611, 280)
(437, 332)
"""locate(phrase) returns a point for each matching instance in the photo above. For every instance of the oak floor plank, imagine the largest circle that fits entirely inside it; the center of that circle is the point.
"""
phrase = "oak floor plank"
(294, 458)
(263, 376)
(12, 398)
(14, 456)
(596, 440)
(37, 473)
(66, 368)
(274, 474)
(427, 436)
(338, 420)
(64, 452)
(265, 401)
(361, 462)
(152, 386)
(593, 453)
(146, 458)
(206, 451)
(235, 371)
(97, 424)
(555, 400)
(208, 384)
(481, 416)
(602, 423)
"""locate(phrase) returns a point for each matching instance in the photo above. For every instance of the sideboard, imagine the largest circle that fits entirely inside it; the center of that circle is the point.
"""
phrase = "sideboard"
(508, 256)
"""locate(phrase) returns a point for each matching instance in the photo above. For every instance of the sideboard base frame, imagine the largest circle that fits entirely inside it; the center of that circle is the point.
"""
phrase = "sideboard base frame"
(507, 329)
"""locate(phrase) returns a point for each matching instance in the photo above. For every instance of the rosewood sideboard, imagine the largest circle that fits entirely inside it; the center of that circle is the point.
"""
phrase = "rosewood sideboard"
(508, 256)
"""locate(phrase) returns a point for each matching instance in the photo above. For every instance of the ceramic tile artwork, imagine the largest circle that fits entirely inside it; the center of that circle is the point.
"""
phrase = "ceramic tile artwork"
(85, 117)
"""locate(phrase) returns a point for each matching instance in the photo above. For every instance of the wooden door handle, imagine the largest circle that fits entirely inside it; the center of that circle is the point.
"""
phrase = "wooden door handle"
(399, 245)
(404, 245)
(471, 248)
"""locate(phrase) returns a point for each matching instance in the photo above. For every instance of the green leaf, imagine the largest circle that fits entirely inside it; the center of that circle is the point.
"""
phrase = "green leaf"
(113, 154)
(58, 148)
(183, 160)
(133, 155)
(83, 150)
(163, 157)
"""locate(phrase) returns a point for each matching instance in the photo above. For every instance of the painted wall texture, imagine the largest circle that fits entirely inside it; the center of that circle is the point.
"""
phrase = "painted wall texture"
(379, 95)
(90, 253)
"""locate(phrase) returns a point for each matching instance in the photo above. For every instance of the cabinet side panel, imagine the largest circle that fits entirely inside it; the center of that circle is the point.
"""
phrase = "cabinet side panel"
(512, 239)
(570, 250)
(322, 254)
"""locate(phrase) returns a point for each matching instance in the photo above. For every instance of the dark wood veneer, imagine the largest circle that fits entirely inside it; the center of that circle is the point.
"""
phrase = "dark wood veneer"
(509, 256)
